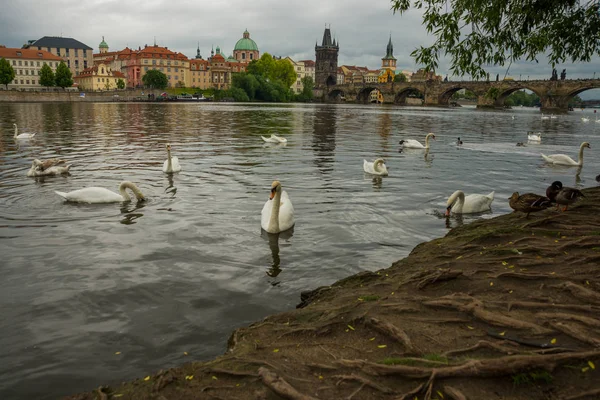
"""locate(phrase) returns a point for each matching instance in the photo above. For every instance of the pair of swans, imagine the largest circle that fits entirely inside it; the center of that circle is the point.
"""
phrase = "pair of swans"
(172, 163)
(563, 159)
(53, 166)
(274, 139)
(534, 137)
(376, 167)
(277, 214)
(458, 203)
(415, 144)
(22, 135)
(95, 195)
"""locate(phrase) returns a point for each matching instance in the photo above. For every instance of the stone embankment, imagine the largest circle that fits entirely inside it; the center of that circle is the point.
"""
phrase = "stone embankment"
(507, 308)
(13, 96)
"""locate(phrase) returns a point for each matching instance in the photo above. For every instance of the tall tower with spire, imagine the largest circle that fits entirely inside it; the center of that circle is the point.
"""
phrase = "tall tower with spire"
(389, 61)
(326, 61)
(198, 55)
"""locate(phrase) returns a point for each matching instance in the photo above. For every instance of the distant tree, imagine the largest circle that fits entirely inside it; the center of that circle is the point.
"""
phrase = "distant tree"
(307, 89)
(155, 79)
(487, 33)
(121, 84)
(400, 78)
(283, 71)
(63, 77)
(237, 94)
(107, 85)
(246, 82)
(46, 76)
(7, 73)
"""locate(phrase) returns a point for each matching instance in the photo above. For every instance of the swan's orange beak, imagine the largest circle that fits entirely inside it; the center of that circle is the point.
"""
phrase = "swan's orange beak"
(448, 211)
(272, 193)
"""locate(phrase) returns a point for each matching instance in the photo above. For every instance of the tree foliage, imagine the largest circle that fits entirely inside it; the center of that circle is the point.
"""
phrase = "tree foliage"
(400, 78)
(7, 72)
(273, 70)
(63, 77)
(266, 79)
(120, 84)
(522, 98)
(46, 76)
(307, 89)
(476, 34)
(155, 79)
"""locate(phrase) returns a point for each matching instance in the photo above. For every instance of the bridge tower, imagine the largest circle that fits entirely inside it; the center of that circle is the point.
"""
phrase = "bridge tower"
(326, 62)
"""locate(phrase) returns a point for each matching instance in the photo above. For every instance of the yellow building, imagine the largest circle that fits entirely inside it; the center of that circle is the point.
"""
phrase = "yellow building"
(388, 64)
(76, 55)
(99, 77)
(27, 64)
(303, 69)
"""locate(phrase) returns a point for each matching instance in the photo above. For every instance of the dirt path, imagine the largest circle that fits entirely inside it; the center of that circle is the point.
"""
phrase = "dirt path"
(507, 308)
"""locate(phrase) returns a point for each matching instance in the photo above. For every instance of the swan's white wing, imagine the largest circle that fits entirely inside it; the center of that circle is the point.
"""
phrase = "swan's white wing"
(175, 164)
(475, 203)
(269, 140)
(278, 139)
(265, 214)
(412, 144)
(92, 195)
(368, 167)
(561, 159)
(25, 135)
(286, 213)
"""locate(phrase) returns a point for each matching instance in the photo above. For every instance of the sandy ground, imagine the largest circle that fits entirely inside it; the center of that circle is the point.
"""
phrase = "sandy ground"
(507, 308)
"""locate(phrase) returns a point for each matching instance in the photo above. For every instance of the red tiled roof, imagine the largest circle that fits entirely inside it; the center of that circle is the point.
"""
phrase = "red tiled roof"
(27, 54)
(308, 63)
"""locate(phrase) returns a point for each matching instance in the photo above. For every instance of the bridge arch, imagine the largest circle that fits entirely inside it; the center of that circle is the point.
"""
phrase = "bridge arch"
(364, 95)
(445, 97)
(574, 93)
(505, 93)
(400, 96)
(336, 95)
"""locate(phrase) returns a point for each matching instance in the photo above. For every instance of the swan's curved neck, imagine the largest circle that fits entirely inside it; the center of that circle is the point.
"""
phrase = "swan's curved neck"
(274, 221)
(460, 202)
(580, 159)
(134, 189)
(427, 141)
(169, 163)
(16, 131)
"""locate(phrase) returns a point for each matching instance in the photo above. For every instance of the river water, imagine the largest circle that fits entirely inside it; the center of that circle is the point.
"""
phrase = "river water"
(97, 294)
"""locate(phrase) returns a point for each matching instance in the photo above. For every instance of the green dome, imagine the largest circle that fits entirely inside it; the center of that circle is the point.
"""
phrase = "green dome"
(103, 44)
(246, 43)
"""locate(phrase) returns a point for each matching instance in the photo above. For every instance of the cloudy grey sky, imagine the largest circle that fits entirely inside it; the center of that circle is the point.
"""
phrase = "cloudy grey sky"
(281, 28)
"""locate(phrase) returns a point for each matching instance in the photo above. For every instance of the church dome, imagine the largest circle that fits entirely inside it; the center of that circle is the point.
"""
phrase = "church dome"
(245, 43)
(103, 44)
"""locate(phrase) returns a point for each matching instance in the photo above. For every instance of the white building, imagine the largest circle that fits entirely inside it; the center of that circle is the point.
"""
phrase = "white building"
(27, 64)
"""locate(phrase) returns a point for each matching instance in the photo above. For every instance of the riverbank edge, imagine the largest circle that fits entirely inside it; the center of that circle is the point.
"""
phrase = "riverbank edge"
(519, 296)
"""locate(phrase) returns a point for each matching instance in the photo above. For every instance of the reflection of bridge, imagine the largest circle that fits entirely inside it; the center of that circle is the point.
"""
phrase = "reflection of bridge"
(554, 95)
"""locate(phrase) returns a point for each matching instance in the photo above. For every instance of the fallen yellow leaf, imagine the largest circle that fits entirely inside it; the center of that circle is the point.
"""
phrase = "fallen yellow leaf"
(392, 292)
(587, 282)
(553, 341)
(585, 369)
(552, 273)
(237, 384)
(504, 263)
(511, 266)
(565, 253)
(510, 291)
(491, 283)
(117, 352)
(459, 257)
(189, 377)
(440, 394)
(502, 333)
(351, 327)
(556, 241)
(470, 327)
(275, 350)
(320, 377)
(147, 378)
(382, 346)
(563, 237)
(214, 378)
(591, 364)
(118, 395)
(185, 353)
(372, 339)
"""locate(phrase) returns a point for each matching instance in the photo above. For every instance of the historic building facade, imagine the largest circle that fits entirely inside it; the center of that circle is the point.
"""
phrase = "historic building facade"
(27, 64)
(76, 55)
(245, 49)
(99, 77)
(388, 64)
(326, 61)
(135, 64)
(303, 68)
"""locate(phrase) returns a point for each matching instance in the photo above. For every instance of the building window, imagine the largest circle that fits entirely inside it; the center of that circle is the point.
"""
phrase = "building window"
(145, 68)
(251, 56)
(69, 63)
(243, 56)
(176, 69)
(48, 49)
(98, 79)
(21, 81)
(84, 63)
(58, 52)
(20, 63)
(76, 53)
(169, 69)
(38, 63)
(145, 61)
(27, 81)
(153, 62)
(33, 82)
(14, 62)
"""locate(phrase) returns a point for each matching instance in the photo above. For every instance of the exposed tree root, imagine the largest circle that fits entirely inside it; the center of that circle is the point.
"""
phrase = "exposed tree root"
(409, 395)
(253, 361)
(297, 331)
(576, 333)
(532, 304)
(573, 317)
(580, 292)
(511, 338)
(321, 366)
(392, 331)
(438, 276)
(364, 381)
(475, 308)
(527, 275)
(454, 393)
(483, 344)
(229, 372)
(280, 386)
(590, 394)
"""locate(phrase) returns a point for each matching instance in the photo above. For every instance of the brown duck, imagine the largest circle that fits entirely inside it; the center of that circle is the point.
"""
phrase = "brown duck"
(528, 202)
(552, 191)
(568, 196)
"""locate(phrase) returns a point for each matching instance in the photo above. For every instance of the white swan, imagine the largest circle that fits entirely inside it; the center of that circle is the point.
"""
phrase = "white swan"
(563, 159)
(48, 167)
(274, 139)
(534, 137)
(277, 214)
(585, 119)
(22, 135)
(552, 116)
(172, 163)
(376, 167)
(458, 203)
(415, 144)
(545, 116)
(101, 195)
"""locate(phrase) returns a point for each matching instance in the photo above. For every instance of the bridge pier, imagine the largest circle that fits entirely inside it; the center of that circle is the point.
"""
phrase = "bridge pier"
(554, 104)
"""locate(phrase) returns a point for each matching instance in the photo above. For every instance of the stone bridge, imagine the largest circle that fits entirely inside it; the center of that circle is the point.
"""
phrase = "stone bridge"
(554, 95)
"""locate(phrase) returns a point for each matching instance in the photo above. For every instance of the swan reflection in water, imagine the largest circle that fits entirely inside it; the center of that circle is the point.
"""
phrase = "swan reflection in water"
(273, 239)
(171, 188)
(128, 209)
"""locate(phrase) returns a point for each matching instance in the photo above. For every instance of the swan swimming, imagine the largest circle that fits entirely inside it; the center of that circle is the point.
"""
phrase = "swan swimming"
(415, 144)
(545, 116)
(585, 119)
(534, 137)
(376, 167)
(48, 167)
(274, 139)
(458, 203)
(277, 214)
(563, 159)
(172, 163)
(92, 195)
(22, 135)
